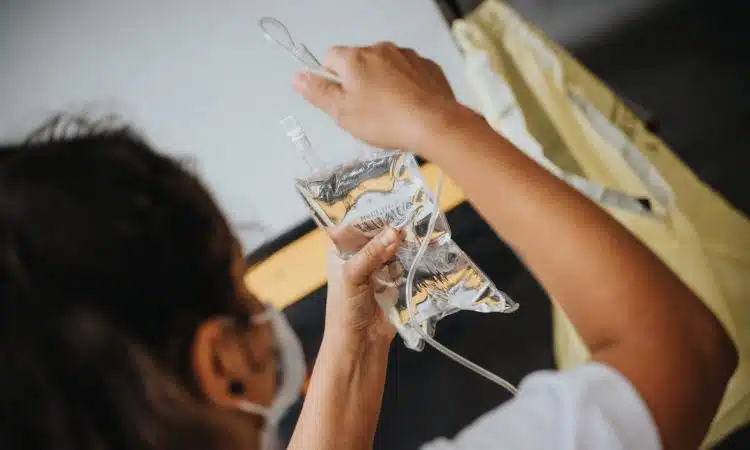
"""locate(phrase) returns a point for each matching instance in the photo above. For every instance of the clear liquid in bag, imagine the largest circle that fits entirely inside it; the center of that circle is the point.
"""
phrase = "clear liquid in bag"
(356, 200)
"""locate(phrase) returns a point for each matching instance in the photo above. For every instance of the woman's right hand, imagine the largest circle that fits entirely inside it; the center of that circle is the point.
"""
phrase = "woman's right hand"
(389, 97)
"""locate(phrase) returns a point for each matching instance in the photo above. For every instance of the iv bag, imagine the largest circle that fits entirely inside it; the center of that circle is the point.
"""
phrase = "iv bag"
(355, 200)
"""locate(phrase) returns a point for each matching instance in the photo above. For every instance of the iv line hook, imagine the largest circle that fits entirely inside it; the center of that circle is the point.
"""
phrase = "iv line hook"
(275, 31)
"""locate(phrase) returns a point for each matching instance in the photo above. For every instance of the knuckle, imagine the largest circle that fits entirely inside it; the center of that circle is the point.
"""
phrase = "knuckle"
(336, 111)
(350, 272)
(339, 54)
(338, 50)
(384, 48)
(370, 251)
(353, 54)
(358, 55)
(352, 57)
(333, 53)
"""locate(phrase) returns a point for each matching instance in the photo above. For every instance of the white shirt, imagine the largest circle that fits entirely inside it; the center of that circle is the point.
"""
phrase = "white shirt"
(592, 407)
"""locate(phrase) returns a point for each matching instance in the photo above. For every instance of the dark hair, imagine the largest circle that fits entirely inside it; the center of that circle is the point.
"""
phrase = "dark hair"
(110, 256)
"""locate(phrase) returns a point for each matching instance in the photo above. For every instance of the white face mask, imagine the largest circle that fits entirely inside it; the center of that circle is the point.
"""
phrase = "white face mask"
(290, 375)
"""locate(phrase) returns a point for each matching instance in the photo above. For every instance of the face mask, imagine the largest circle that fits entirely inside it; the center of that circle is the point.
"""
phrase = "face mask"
(290, 375)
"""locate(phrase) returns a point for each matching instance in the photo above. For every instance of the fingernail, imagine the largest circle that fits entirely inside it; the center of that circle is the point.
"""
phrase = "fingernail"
(389, 237)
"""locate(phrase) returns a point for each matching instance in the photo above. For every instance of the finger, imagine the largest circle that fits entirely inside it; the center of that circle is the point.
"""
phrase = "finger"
(334, 260)
(324, 94)
(338, 59)
(373, 256)
(384, 44)
(435, 68)
(411, 53)
(416, 60)
(348, 239)
(390, 48)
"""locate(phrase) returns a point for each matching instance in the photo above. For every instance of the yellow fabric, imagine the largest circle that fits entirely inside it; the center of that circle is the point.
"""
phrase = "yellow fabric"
(703, 239)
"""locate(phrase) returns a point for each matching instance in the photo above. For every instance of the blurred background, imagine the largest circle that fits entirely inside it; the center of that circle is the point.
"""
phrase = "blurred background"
(685, 62)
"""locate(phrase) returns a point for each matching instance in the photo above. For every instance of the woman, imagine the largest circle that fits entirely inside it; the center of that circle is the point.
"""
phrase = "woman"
(125, 323)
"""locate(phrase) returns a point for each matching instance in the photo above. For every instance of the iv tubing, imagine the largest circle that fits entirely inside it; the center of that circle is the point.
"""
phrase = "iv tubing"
(411, 307)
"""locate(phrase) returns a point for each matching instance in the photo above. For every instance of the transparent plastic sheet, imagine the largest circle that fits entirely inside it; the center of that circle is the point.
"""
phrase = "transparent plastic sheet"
(356, 200)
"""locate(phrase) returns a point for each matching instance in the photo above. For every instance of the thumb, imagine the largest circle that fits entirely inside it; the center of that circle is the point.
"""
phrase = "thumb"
(373, 256)
(321, 92)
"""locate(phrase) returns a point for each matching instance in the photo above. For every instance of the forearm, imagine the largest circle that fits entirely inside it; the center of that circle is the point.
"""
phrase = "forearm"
(344, 398)
(576, 250)
(630, 310)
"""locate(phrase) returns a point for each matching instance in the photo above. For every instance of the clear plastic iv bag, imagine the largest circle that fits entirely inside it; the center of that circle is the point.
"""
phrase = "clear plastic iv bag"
(356, 199)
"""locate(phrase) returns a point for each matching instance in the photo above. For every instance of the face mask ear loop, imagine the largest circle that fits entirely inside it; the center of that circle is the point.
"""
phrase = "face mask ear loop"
(260, 318)
(284, 336)
(411, 308)
(293, 364)
(252, 408)
(244, 405)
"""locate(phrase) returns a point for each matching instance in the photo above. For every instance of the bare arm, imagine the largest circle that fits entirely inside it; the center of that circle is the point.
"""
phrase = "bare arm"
(346, 390)
(631, 311)
(343, 401)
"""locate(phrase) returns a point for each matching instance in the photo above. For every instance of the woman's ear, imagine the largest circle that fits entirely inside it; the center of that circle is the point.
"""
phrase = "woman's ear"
(224, 360)
(208, 369)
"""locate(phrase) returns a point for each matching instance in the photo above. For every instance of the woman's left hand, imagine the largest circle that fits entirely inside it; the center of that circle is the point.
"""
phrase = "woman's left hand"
(352, 314)
(346, 389)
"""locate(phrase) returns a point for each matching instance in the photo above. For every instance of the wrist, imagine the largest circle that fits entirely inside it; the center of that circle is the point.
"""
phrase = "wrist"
(442, 118)
(351, 346)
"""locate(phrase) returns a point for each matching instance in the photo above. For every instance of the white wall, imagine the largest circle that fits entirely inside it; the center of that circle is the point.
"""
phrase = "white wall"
(198, 78)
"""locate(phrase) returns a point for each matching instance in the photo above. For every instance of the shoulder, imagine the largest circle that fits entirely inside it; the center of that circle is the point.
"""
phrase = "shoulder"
(591, 407)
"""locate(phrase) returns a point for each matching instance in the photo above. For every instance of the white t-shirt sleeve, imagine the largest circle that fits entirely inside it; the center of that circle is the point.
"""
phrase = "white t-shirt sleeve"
(592, 407)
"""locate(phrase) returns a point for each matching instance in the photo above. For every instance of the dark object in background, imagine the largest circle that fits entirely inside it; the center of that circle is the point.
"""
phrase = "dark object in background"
(451, 9)
(646, 116)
